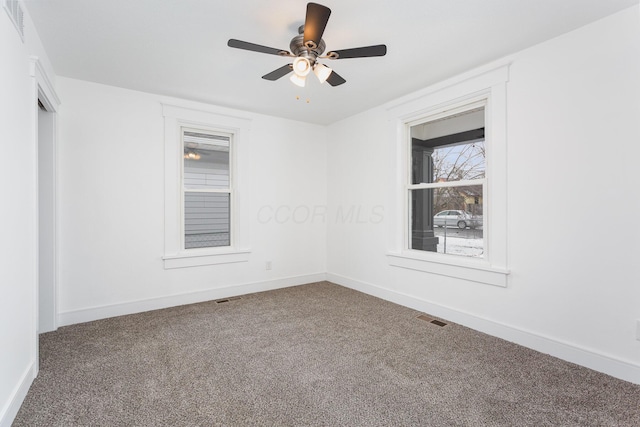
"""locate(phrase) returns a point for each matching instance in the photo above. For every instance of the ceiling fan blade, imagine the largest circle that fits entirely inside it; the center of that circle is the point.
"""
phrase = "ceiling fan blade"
(315, 23)
(359, 52)
(335, 79)
(239, 44)
(280, 72)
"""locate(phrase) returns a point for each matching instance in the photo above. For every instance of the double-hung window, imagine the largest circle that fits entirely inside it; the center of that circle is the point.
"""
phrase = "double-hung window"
(206, 216)
(447, 182)
(207, 188)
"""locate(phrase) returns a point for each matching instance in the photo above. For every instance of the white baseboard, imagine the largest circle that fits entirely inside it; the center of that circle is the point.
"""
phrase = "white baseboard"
(581, 356)
(132, 307)
(9, 412)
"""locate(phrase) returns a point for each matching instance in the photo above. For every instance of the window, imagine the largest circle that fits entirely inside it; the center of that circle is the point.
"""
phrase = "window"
(449, 213)
(206, 221)
(447, 181)
(207, 188)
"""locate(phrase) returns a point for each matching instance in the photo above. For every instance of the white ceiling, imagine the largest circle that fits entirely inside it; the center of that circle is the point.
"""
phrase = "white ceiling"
(179, 47)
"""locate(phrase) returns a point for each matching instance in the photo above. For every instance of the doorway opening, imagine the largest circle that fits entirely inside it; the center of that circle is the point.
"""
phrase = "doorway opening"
(47, 304)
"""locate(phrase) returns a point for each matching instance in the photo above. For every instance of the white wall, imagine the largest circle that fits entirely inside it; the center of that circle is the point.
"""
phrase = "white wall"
(111, 199)
(573, 108)
(18, 221)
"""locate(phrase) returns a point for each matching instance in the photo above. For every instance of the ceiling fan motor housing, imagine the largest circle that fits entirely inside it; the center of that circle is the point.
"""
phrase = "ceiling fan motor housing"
(298, 48)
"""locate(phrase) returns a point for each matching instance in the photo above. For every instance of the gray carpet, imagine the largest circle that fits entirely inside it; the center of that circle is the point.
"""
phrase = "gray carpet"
(312, 355)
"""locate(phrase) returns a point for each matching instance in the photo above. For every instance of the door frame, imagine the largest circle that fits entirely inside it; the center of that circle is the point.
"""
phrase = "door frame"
(44, 92)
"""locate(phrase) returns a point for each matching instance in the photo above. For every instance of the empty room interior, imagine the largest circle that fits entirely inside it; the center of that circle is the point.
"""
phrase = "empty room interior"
(291, 213)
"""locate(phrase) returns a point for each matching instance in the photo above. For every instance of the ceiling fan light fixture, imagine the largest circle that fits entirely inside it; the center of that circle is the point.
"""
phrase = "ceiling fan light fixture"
(298, 80)
(301, 66)
(322, 72)
(307, 47)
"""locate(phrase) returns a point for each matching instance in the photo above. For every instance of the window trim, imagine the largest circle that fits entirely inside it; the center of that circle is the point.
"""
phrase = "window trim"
(175, 119)
(487, 85)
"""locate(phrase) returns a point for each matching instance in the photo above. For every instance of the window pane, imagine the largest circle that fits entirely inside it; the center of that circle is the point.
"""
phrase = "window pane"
(206, 161)
(206, 220)
(459, 162)
(449, 149)
(448, 220)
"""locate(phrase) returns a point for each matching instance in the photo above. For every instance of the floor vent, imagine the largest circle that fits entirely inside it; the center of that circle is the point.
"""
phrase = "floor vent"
(220, 301)
(431, 320)
(16, 14)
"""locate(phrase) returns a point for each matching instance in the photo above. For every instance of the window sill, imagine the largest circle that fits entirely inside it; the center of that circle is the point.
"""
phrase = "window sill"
(208, 257)
(473, 270)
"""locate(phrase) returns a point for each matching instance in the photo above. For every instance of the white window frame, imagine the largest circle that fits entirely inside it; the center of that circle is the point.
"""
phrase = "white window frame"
(483, 86)
(176, 119)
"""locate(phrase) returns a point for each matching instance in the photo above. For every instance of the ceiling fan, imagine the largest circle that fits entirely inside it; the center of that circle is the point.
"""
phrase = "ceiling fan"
(307, 47)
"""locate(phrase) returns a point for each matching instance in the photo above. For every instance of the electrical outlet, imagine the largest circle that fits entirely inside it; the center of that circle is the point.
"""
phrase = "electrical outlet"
(268, 265)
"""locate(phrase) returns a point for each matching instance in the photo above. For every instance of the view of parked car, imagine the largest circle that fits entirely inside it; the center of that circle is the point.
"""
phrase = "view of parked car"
(456, 218)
